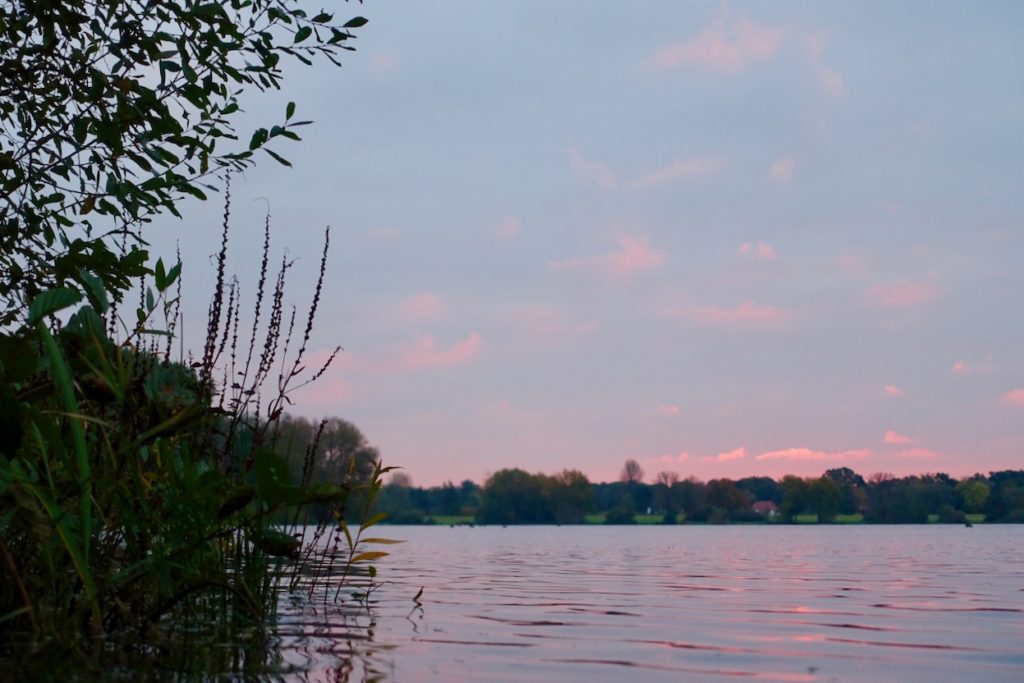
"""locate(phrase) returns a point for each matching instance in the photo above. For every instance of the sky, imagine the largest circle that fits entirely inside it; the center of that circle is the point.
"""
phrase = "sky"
(720, 239)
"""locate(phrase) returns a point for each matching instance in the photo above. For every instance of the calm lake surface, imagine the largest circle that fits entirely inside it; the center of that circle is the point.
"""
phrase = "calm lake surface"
(717, 603)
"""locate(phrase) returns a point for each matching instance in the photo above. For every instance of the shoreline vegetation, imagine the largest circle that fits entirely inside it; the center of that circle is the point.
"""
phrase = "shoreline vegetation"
(155, 504)
(651, 520)
(838, 496)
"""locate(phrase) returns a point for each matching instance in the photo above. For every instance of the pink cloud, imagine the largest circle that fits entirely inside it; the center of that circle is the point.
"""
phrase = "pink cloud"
(382, 62)
(959, 368)
(760, 250)
(890, 390)
(325, 395)
(853, 264)
(902, 293)
(426, 354)
(734, 454)
(422, 306)
(809, 454)
(669, 409)
(635, 255)
(918, 453)
(681, 169)
(831, 81)
(592, 171)
(549, 326)
(745, 312)
(508, 229)
(782, 169)
(1014, 397)
(668, 458)
(727, 44)
(892, 437)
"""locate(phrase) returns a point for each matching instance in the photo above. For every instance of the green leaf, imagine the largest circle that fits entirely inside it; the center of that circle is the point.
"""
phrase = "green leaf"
(258, 138)
(356, 22)
(173, 273)
(289, 111)
(303, 33)
(95, 290)
(52, 301)
(160, 275)
(277, 157)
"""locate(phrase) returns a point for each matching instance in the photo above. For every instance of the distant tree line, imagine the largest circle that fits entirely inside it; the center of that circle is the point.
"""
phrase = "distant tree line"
(514, 496)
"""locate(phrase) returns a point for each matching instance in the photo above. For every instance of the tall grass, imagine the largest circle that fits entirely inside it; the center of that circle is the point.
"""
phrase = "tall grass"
(143, 496)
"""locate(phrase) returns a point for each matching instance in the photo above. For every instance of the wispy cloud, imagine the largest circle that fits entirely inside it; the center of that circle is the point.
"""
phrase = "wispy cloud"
(728, 44)
(902, 293)
(891, 390)
(548, 326)
(917, 453)
(811, 454)
(744, 313)
(508, 229)
(781, 170)
(853, 264)
(421, 306)
(830, 80)
(681, 169)
(960, 368)
(384, 233)
(591, 170)
(634, 255)
(668, 458)
(759, 250)
(383, 62)
(425, 353)
(1014, 397)
(729, 456)
(892, 437)
(668, 409)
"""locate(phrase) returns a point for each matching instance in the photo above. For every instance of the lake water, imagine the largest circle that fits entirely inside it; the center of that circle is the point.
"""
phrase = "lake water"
(709, 603)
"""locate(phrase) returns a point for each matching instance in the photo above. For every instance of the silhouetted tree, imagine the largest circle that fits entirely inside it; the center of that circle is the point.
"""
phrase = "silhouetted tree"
(632, 473)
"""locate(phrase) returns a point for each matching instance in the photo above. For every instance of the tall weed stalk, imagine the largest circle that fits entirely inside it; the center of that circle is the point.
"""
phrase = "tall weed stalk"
(143, 495)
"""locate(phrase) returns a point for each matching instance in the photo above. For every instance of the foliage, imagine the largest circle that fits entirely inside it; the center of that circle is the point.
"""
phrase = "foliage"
(513, 496)
(114, 110)
(141, 496)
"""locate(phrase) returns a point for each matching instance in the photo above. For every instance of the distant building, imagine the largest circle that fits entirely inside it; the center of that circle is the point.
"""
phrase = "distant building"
(766, 508)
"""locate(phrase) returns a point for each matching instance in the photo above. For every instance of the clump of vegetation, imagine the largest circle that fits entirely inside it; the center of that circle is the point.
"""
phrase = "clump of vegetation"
(143, 494)
(140, 494)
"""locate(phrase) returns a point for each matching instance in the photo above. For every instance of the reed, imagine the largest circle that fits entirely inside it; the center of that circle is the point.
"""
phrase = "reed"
(144, 498)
